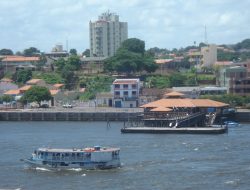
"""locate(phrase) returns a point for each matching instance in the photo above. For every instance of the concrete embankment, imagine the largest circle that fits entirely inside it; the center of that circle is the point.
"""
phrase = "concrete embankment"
(70, 115)
(243, 115)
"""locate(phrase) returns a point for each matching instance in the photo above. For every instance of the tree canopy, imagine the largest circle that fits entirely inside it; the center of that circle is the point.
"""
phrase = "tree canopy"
(134, 45)
(30, 51)
(6, 98)
(36, 94)
(245, 44)
(6, 52)
(22, 76)
(67, 70)
(73, 51)
(73, 63)
(86, 53)
(130, 58)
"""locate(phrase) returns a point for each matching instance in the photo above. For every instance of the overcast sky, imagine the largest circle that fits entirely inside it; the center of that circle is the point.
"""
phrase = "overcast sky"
(160, 23)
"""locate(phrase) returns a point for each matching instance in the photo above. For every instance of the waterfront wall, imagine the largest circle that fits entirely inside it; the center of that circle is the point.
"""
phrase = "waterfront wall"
(243, 116)
(98, 115)
(67, 116)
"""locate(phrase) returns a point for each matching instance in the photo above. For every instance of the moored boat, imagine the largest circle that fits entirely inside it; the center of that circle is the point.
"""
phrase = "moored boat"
(87, 158)
(231, 124)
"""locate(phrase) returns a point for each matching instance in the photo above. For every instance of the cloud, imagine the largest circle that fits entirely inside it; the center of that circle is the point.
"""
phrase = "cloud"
(165, 24)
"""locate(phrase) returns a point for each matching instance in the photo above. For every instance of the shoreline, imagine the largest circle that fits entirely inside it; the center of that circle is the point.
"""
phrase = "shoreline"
(88, 114)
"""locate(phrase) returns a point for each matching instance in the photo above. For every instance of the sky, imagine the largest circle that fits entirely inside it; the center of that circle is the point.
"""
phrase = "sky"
(160, 23)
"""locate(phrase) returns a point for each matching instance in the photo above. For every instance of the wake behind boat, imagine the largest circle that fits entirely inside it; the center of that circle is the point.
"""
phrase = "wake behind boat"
(87, 158)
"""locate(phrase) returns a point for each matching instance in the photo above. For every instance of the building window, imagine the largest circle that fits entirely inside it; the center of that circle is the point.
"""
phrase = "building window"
(134, 93)
(125, 86)
(117, 93)
(133, 86)
(125, 93)
(117, 86)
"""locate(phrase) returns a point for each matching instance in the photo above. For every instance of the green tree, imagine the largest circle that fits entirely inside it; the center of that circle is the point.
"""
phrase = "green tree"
(7, 98)
(130, 58)
(75, 62)
(134, 45)
(31, 51)
(73, 52)
(22, 76)
(60, 64)
(6, 52)
(245, 44)
(86, 53)
(36, 94)
(70, 79)
(177, 79)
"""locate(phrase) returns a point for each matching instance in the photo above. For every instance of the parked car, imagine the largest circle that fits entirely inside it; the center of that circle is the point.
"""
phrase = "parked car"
(44, 106)
(67, 106)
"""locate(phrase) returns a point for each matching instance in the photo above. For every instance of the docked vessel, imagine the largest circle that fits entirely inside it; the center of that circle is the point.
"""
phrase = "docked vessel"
(87, 158)
(231, 123)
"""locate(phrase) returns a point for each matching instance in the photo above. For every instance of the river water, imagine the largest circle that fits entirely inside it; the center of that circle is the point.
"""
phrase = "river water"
(150, 161)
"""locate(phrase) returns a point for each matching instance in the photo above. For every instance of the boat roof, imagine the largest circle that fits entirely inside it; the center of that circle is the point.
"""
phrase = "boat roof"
(71, 150)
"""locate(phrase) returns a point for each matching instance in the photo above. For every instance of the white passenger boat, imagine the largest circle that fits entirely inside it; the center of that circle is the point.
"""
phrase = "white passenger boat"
(87, 158)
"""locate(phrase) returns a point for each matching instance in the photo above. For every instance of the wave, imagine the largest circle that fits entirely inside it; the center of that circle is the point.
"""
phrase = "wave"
(75, 169)
(42, 169)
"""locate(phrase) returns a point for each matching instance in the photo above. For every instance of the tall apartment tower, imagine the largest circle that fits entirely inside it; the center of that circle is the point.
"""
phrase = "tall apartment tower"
(106, 35)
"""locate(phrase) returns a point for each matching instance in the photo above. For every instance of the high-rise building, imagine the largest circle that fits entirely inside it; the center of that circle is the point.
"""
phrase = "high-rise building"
(106, 35)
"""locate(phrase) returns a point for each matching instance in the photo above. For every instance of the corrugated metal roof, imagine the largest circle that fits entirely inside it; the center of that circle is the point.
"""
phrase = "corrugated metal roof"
(126, 81)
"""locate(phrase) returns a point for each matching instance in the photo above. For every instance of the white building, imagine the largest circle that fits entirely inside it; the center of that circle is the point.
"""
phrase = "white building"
(106, 35)
(126, 93)
(209, 55)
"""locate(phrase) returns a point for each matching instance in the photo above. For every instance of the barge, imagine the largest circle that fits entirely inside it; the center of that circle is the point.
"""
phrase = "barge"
(181, 130)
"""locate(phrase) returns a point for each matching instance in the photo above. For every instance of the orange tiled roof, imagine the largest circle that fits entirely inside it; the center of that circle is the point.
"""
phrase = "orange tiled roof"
(163, 61)
(26, 87)
(12, 92)
(186, 103)
(6, 80)
(58, 85)
(33, 81)
(208, 103)
(53, 92)
(223, 63)
(161, 109)
(19, 59)
(174, 94)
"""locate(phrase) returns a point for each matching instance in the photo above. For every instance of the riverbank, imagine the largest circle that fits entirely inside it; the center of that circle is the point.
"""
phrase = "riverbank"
(74, 114)
(89, 114)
